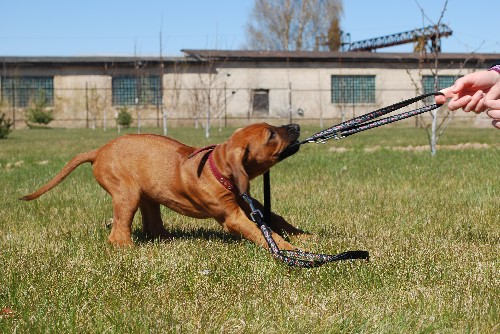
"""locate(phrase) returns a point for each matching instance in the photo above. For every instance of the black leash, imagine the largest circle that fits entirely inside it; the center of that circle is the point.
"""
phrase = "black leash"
(366, 121)
(298, 258)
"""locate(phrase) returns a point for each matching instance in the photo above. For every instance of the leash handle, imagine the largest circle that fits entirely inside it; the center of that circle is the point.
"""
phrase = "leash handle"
(342, 130)
(387, 120)
(296, 258)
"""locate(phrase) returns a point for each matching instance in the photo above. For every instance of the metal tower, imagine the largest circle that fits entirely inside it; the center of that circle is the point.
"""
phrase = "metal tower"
(429, 37)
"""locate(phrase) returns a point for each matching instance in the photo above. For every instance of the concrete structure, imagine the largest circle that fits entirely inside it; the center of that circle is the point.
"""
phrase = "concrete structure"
(234, 85)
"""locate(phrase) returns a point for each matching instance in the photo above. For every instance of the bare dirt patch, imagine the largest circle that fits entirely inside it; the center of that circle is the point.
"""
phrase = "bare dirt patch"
(419, 148)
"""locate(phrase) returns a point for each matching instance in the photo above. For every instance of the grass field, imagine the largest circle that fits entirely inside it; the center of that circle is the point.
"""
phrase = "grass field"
(431, 226)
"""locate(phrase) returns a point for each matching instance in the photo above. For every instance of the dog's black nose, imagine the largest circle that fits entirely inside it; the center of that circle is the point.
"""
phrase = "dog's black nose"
(293, 130)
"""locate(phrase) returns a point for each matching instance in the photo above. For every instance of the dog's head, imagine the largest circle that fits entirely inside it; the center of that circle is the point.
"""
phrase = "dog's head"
(252, 150)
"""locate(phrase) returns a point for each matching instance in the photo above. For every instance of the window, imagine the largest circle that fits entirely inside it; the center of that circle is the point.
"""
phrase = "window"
(353, 89)
(443, 81)
(260, 101)
(23, 91)
(140, 90)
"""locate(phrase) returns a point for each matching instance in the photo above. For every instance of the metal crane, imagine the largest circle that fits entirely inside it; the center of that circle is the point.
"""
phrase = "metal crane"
(429, 37)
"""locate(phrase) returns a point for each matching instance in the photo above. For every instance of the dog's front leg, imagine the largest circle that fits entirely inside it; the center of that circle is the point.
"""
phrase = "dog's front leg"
(239, 224)
(276, 222)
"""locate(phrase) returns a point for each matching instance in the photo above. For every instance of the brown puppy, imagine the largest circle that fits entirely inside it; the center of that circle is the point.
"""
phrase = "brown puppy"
(144, 171)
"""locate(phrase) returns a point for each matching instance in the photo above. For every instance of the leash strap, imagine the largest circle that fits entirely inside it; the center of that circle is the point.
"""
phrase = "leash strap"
(297, 258)
(267, 195)
(367, 121)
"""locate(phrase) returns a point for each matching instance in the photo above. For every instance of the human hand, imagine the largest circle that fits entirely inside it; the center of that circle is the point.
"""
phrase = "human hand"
(478, 92)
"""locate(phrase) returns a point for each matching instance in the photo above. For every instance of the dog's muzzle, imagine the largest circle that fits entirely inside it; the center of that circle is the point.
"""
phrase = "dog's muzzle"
(293, 133)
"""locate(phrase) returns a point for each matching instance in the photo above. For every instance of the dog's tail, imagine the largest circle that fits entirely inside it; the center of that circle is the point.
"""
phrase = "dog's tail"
(70, 166)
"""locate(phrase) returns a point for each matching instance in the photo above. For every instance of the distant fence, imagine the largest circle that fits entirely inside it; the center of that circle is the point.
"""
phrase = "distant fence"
(96, 107)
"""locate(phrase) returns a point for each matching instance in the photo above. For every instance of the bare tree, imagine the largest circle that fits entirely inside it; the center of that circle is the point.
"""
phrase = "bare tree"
(429, 55)
(438, 125)
(95, 104)
(294, 25)
(171, 96)
(208, 95)
(437, 129)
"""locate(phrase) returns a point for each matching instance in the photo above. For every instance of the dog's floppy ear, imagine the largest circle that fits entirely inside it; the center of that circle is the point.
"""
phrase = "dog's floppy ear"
(235, 159)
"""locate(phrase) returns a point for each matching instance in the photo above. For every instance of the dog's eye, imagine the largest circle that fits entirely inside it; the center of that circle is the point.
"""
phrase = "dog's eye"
(272, 134)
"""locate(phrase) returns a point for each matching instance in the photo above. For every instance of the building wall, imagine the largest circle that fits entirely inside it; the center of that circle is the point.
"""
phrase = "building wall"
(83, 96)
(309, 89)
(81, 99)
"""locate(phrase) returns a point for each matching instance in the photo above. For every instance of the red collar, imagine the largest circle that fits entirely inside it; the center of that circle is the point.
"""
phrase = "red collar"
(215, 171)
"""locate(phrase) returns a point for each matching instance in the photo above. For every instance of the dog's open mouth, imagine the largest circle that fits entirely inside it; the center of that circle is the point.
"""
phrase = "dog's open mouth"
(293, 132)
(290, 150)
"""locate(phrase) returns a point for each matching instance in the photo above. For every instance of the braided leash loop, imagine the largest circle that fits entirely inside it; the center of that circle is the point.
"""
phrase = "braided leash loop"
(361, 123)
(391, 119)
(297, 258)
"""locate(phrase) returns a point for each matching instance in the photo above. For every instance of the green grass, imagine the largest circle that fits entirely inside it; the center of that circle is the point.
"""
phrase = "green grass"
(431, 226)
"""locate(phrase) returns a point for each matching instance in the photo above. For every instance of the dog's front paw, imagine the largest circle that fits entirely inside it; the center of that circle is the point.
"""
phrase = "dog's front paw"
(304, 236)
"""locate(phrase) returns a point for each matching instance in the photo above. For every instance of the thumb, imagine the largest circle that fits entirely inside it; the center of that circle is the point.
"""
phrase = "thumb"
(458, 86)
(448, 92)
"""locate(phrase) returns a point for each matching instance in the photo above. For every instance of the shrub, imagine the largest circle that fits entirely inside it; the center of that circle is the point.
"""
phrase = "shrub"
(38, 113)
(5, 125)
(124, 118)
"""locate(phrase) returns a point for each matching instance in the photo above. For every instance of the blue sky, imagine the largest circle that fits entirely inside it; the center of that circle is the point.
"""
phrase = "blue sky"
(110, 27)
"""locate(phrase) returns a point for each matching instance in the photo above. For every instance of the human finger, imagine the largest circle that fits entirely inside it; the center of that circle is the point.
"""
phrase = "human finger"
(466, 85)
(480, 107)
(494, 105)
(459, 85)
(447, 93)
(493, 93)
(495, 114)
(482, 80)
(458, 103)
(440, 99)
(474, 101)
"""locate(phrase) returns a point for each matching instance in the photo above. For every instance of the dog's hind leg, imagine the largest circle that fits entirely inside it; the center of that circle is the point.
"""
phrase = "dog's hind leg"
(152, 223)
(124, 208)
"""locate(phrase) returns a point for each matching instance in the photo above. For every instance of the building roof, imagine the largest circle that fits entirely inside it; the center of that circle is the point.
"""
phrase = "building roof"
(84, 60)
(195, 55)
(327, 56)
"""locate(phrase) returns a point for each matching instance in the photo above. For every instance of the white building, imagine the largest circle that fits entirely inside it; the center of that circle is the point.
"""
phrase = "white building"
(238, 86)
